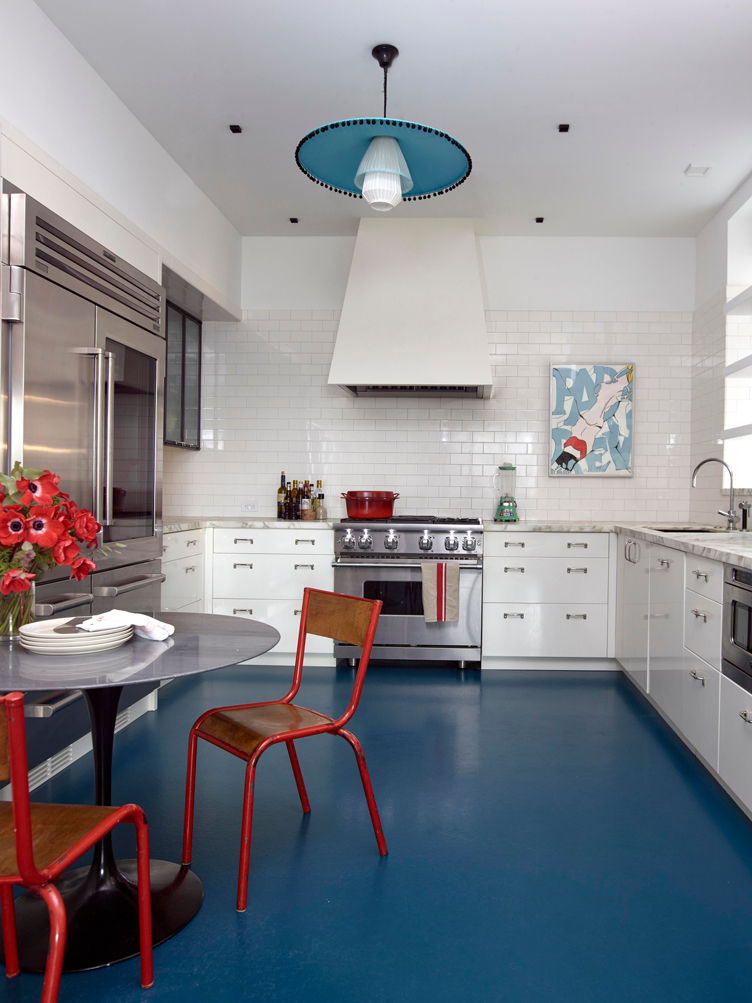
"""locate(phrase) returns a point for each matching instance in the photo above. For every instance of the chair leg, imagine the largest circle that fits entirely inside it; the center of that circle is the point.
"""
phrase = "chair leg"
(58, 927)
(298, 777)
(144, 901)
(370, 799)
(9, 931)
(245, 837)
(190, 792)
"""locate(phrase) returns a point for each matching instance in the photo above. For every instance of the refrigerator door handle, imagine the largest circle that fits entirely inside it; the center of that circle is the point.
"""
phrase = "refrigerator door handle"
(110, 591)
(110, 439)
(98, 355)
(66, 600)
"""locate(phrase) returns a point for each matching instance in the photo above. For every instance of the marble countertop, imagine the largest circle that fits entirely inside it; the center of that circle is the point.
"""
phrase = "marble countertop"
(531, 526)
(180, 523)
(730, 548)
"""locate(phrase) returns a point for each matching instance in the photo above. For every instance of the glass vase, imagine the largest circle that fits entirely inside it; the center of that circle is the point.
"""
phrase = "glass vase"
(16, 610)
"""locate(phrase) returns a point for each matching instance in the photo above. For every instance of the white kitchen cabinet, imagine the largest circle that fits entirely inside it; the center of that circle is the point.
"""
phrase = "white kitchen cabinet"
(666, 629)
(701, 693)
(277, 576)
(300, 542)
(282, 614)
(703, 623)
(187, 543)
(183, 568)
(545, 579)
(705, 577)
(571, 545)
(735, 740)
(545, 630)
(632, 589)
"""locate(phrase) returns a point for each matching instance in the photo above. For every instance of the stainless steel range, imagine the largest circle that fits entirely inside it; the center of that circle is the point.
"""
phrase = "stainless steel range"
(381, 559)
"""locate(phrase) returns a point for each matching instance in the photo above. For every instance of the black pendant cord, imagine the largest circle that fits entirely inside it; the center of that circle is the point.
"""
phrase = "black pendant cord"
(386, 70)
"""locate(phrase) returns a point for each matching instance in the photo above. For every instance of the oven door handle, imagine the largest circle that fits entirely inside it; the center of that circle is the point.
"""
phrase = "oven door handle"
(401, 564)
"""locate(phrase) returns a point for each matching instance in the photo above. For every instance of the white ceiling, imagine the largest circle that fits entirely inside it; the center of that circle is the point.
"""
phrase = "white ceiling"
(648, 87)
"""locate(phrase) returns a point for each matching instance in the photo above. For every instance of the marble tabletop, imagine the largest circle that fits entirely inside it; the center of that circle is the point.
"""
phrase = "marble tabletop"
(201, 642)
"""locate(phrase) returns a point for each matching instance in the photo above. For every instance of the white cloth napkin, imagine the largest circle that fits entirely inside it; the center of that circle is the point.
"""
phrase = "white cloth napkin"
(143, 626)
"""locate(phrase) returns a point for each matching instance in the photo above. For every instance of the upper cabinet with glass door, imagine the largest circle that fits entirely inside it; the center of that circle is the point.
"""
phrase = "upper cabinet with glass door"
(183, 380)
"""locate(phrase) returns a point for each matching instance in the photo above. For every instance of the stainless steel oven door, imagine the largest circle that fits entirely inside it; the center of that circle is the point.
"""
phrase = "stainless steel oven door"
(399, 586)
(737, 631)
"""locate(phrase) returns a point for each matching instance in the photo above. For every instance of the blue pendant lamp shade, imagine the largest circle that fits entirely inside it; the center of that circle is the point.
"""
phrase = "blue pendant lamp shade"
(384, 158)
(333, 156)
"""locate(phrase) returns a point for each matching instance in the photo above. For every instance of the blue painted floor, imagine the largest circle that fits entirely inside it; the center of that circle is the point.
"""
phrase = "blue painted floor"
(550, 840)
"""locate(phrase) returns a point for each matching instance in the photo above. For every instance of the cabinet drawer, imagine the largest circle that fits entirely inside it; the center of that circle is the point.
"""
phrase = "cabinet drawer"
(274, 541)
(545, 579)
(184, 582)
(703, 620)
(705, 577)
(545, 544)
(186, 544)
(270, 576)
(532, 630)
(701, 693)
(735, 740)
(282, 614)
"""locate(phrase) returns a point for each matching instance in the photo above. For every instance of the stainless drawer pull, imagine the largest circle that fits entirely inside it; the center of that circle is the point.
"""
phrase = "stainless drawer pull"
(242, 565)
(664, 563)
(191, 543)
(192, 568)
(235, 611)
(66, 600)
(298, 612)
(311, 566)
(242, 539)
(581, 570)
(744, 715)
(576, 616)
(48, 705)
(312, 542)
(571, 545)
(700, 574)
(514, 616)
(700, 679)
(508, 543)
(699, 614)
(521, 570)
(110, 591)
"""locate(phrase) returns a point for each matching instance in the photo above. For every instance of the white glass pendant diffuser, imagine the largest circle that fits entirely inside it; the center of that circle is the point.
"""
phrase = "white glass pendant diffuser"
(383, 174)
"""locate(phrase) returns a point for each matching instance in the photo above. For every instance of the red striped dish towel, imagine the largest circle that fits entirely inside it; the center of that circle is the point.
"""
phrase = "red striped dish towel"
(441, 591)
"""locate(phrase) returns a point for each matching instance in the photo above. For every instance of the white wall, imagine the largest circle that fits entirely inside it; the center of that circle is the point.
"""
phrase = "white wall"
(51, 95)
(520, 273)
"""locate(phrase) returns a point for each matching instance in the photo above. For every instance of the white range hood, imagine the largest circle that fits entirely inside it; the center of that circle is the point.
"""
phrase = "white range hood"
(413, 322)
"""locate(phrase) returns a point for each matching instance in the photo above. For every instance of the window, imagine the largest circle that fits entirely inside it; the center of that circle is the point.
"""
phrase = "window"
(183, 380)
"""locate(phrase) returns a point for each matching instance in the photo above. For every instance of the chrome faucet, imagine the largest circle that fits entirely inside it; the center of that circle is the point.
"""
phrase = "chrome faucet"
(731, 517)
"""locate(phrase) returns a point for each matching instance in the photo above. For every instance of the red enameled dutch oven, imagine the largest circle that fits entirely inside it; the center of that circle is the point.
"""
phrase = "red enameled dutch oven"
(369, 504)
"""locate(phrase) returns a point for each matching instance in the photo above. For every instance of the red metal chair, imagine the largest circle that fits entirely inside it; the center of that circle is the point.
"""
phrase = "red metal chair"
(248, 730)
(39, 841)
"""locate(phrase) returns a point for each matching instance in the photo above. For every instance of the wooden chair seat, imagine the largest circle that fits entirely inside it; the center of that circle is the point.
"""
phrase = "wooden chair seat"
(55, 828)
(245, 728)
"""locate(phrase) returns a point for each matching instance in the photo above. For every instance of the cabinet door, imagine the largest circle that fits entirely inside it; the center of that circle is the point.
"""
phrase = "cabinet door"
(632, 609)
(270, 576)
(701, 693)
(546, 579)
(735, 745)
(283, 615)
(666, 629)
(703, 622)
(185, 544)
(551, 630)
(184, 582)
(511, 544)
(301, 542)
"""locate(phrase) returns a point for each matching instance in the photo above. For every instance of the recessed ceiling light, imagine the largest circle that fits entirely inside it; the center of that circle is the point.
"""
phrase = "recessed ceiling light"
(293, 219)
(235, 128)
(564, 128)
(696, 170)
(538, 219)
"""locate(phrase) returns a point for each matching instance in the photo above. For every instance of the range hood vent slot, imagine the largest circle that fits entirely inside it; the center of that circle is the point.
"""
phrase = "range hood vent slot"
(404, 390)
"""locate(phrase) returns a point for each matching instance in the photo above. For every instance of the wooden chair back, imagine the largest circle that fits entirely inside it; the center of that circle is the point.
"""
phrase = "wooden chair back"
(343, 618)
(14, 766)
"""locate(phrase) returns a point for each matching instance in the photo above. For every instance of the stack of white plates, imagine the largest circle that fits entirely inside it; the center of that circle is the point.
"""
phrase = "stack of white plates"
(45, 638)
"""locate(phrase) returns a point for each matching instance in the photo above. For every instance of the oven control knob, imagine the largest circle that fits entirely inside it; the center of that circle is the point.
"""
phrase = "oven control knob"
(451, 542)
(425, 542)
(391, 542)
(469, 543)
(365, 541)
(348, 541)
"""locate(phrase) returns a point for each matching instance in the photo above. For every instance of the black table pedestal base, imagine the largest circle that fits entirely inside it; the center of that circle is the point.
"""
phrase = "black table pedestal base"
(102, 912)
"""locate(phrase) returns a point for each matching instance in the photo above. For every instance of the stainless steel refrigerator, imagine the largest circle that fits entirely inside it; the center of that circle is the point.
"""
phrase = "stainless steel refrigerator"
(82, 374)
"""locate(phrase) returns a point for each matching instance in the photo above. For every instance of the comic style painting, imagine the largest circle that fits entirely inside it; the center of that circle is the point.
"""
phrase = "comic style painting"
(591, 420)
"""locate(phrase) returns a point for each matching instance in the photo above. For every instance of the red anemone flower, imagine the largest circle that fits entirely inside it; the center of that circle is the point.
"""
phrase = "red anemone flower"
(15, 581)
(43, 528)
(81, 568)
(40, 491)
(66, 550)
(12, 526)
(85, 526)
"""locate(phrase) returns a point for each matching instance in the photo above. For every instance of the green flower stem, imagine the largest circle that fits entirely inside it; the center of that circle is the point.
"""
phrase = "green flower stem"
(16, 610)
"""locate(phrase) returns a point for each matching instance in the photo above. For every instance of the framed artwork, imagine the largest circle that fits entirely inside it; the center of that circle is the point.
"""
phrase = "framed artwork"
(591, 420)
